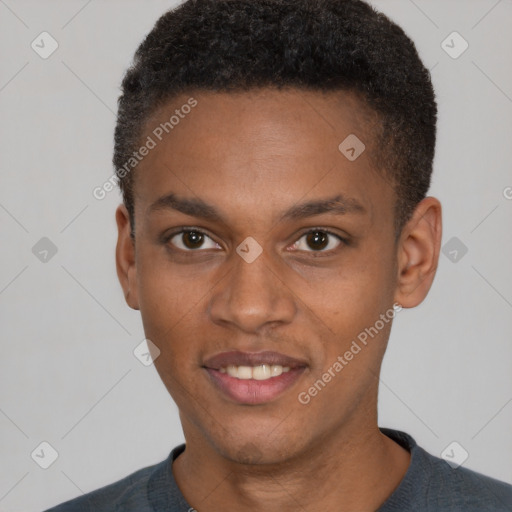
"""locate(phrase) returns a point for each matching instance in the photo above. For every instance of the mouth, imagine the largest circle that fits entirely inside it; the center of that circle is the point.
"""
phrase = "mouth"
(253, 378)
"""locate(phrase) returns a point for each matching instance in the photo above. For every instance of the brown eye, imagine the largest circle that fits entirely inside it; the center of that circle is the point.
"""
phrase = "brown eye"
(190, 240)
(317, 241)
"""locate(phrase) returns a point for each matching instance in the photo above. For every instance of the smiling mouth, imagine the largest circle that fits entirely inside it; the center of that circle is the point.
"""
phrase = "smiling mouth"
(253, 378)
(260, 372)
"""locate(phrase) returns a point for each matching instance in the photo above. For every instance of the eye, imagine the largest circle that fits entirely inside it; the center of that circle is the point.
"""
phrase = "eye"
(317, 241)
(192, 239)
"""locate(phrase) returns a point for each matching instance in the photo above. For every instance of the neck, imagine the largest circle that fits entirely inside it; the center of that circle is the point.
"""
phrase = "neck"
(357, 469)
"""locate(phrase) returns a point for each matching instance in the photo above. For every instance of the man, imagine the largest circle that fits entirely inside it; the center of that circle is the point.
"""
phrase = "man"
(274, 158)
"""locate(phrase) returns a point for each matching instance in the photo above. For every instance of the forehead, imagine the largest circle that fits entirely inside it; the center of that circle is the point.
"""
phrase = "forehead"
(262, 148)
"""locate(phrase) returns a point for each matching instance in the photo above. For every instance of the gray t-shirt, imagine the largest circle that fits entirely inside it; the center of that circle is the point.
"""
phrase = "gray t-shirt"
(430, 485)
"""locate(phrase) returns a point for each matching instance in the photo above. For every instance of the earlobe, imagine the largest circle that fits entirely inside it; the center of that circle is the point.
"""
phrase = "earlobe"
(125, 257)
(418, 253)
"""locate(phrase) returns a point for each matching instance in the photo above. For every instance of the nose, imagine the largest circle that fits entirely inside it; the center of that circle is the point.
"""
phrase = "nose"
(251, 297)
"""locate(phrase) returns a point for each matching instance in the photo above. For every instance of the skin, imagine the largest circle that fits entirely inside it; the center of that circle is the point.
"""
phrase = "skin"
(252, 156)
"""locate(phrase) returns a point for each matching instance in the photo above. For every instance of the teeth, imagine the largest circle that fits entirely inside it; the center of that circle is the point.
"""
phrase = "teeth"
(244, 372)
(276, 370)
(260, 372)
(232, 371)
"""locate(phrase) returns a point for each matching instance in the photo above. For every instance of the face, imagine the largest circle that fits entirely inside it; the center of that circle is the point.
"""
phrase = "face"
(262, 254)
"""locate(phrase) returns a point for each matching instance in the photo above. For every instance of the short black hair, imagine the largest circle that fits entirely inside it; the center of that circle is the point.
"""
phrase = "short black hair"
(319, 45)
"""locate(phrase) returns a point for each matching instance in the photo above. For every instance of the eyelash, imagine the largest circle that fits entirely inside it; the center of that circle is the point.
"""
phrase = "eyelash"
(183, 230)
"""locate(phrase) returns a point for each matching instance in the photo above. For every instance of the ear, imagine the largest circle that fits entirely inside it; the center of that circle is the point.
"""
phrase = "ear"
(418, 253)
(125, 258)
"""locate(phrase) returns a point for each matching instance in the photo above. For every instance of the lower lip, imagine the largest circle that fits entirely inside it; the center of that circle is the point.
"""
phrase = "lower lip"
(251, 391)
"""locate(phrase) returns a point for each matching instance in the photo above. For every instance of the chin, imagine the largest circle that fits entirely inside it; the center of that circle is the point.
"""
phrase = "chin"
(258, 449)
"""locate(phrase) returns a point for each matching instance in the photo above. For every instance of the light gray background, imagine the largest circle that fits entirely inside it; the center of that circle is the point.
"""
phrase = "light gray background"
(68, 373)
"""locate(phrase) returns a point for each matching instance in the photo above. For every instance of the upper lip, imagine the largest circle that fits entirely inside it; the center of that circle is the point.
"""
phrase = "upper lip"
(237, 358)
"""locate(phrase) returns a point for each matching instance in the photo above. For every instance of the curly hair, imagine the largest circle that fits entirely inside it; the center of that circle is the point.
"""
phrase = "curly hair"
(319, 45)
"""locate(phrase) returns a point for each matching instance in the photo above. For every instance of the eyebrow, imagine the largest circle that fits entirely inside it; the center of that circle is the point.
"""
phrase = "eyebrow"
(338, 205)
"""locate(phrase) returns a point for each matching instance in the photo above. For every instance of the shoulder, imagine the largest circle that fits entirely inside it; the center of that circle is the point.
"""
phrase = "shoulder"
(129, 493)
(463, 489)
(431, 484)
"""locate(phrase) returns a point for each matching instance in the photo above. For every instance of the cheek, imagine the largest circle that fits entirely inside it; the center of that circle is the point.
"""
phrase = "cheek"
(167, 304)
(350, 304)
(166, 292)
(348, 299)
